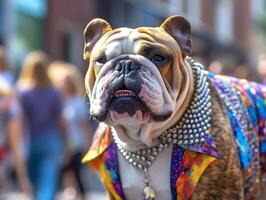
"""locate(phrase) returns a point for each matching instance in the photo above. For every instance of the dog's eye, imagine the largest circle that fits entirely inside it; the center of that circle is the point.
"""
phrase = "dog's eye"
(157, 58)
(101, 60)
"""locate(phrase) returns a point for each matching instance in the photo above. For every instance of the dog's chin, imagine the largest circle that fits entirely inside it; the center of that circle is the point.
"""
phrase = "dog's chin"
(128, 109)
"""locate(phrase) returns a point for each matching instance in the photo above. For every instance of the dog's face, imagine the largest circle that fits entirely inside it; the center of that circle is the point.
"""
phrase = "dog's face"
(136, 76)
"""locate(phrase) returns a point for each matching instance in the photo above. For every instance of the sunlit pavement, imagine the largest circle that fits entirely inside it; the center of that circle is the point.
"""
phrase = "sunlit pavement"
(18, 196)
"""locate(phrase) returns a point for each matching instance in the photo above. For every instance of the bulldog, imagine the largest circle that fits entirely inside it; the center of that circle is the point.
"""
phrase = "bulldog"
(169, 129)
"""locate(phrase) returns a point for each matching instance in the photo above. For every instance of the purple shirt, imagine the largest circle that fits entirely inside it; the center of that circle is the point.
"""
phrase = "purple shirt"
(42, 108)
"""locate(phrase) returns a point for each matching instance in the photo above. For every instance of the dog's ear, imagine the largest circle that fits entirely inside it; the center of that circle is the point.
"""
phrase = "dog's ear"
(94, 30)
(179, 28)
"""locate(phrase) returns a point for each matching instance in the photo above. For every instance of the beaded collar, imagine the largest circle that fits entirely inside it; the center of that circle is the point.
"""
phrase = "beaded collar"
(192, 129)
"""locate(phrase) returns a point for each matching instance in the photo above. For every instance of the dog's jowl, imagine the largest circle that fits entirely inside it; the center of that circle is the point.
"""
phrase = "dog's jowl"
(168, 128)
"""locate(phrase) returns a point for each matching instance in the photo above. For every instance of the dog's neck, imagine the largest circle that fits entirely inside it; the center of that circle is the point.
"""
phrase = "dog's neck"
(147, 134)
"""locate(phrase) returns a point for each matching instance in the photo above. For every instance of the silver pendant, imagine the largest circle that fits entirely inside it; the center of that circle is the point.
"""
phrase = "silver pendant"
(148, 192)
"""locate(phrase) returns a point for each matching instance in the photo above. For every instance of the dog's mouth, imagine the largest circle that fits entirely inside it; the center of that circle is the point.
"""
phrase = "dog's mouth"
(125, 103)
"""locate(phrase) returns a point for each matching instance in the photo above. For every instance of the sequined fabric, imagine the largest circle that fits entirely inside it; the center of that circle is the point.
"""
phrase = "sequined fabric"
(246, 107)
(186, 169)
(111, 164)
(193, 164)
(208, 148)
(176, 168)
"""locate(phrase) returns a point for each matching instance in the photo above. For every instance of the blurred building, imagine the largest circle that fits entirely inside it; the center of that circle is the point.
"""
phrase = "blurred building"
(21, 27)
(1, 22)
(221, 28)
(258, 12)
(224, 29)
(65, 23)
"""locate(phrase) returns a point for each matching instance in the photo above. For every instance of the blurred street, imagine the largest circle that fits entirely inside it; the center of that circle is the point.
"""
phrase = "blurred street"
(18, 196)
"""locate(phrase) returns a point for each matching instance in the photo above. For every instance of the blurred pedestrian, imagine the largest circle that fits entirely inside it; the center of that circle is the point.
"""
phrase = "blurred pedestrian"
(5, 72)
(10, 129)
(5, 118)
(261, 68)
(242, 71)
(221, 66)
(216, 67)
(75, 112)
(42, 108)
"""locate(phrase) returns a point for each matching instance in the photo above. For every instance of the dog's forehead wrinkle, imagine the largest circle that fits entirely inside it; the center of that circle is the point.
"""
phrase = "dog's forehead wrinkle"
(118, 34)
(129, 41)
(114, 48)
(124, 40)
(135, 36)
(116, 42)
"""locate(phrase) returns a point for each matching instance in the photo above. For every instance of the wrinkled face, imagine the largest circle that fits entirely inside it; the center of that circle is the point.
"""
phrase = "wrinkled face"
(130, 77)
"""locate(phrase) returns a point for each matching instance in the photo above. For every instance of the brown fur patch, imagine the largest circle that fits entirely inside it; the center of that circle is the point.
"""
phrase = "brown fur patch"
(223, 179)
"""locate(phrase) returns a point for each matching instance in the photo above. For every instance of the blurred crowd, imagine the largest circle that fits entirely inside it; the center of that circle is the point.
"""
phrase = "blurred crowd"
(45, 128)
(243, 71)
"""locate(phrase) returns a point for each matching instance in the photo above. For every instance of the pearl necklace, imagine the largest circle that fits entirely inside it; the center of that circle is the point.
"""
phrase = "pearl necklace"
(191, 129)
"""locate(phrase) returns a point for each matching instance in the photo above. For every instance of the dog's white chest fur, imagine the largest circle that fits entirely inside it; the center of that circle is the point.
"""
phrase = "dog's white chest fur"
(159, 177)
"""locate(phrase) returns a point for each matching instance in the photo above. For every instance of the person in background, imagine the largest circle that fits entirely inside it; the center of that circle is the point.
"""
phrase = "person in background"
(42, 107)
(5, 72)
(10, 129)
(10, 132)
(221, 66)
(75, 113)
(216, 67)
(261, 68)
(242, 71)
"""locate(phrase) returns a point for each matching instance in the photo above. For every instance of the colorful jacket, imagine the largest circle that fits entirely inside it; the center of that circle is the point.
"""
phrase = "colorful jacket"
(246, 107)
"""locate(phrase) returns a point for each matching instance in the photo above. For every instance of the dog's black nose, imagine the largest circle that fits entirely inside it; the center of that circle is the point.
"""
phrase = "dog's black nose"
(127, 65)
